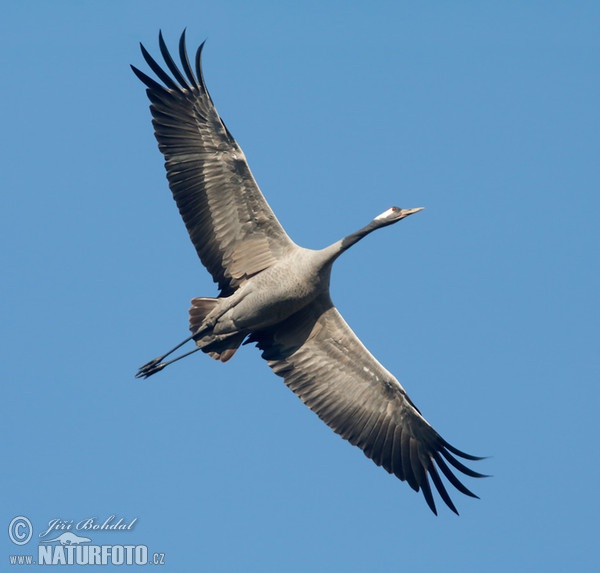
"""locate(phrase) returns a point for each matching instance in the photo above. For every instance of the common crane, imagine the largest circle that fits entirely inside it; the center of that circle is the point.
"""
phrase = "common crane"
(276, 294)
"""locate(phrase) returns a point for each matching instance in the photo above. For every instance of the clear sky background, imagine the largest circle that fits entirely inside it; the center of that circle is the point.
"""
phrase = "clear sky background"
(485, 305)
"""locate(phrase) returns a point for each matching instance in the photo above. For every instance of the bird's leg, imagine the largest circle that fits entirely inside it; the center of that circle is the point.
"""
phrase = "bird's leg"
(157, 364)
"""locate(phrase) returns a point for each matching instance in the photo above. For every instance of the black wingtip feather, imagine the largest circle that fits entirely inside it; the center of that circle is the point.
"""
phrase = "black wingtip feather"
(426, 489)
(148, 81)
(166, 78)
(461, 467)
(439, 485)
(451, 477)
(171, 63)
(185, 62)
(198, 63)
(406, 462)
(460, 453)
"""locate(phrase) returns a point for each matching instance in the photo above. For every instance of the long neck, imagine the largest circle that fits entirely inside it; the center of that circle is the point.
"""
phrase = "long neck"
(335, 250)
(353, 238)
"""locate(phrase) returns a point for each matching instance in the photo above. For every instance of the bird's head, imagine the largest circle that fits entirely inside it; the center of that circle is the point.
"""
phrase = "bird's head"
(393, 215)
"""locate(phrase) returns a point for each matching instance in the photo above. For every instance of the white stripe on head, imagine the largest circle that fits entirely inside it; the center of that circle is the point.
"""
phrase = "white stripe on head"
(387, 213)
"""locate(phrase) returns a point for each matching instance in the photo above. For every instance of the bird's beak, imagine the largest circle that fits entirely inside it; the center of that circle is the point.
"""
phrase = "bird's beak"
(407, 212)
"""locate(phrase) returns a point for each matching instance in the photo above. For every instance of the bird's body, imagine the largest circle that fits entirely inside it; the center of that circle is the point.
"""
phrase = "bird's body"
(261, 302)
(276, 294)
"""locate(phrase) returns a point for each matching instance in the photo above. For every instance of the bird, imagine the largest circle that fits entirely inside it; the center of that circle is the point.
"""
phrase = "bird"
(275, 294)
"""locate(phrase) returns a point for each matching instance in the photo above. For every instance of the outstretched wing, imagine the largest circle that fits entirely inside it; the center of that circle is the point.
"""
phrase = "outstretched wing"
(233, 229)
(327, 366)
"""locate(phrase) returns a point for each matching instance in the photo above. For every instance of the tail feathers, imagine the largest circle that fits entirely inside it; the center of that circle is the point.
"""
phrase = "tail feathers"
(224, 349)
(200, 309)
(221, 347)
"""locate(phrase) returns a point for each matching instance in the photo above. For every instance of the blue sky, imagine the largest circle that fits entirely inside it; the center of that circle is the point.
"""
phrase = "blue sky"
(485, 305)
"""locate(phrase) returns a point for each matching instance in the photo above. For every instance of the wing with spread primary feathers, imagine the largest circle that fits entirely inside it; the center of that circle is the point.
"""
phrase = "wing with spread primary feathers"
(233, 229)
(326, 365)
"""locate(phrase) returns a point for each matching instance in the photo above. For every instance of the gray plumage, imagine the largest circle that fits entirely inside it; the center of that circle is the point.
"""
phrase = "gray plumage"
(276, 294)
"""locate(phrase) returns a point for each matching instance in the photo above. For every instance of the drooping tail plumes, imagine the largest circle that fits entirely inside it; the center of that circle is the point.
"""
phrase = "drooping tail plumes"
(221, 347)
(200, 309)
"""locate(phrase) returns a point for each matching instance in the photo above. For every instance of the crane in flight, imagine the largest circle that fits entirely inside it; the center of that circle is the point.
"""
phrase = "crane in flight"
(276, 294)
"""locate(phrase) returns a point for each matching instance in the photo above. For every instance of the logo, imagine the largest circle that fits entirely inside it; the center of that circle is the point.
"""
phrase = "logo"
(68, 538)
(58, 544)
(20, 530)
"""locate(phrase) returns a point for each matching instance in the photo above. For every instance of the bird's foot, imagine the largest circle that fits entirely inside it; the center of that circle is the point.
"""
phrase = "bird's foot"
(150, 368)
